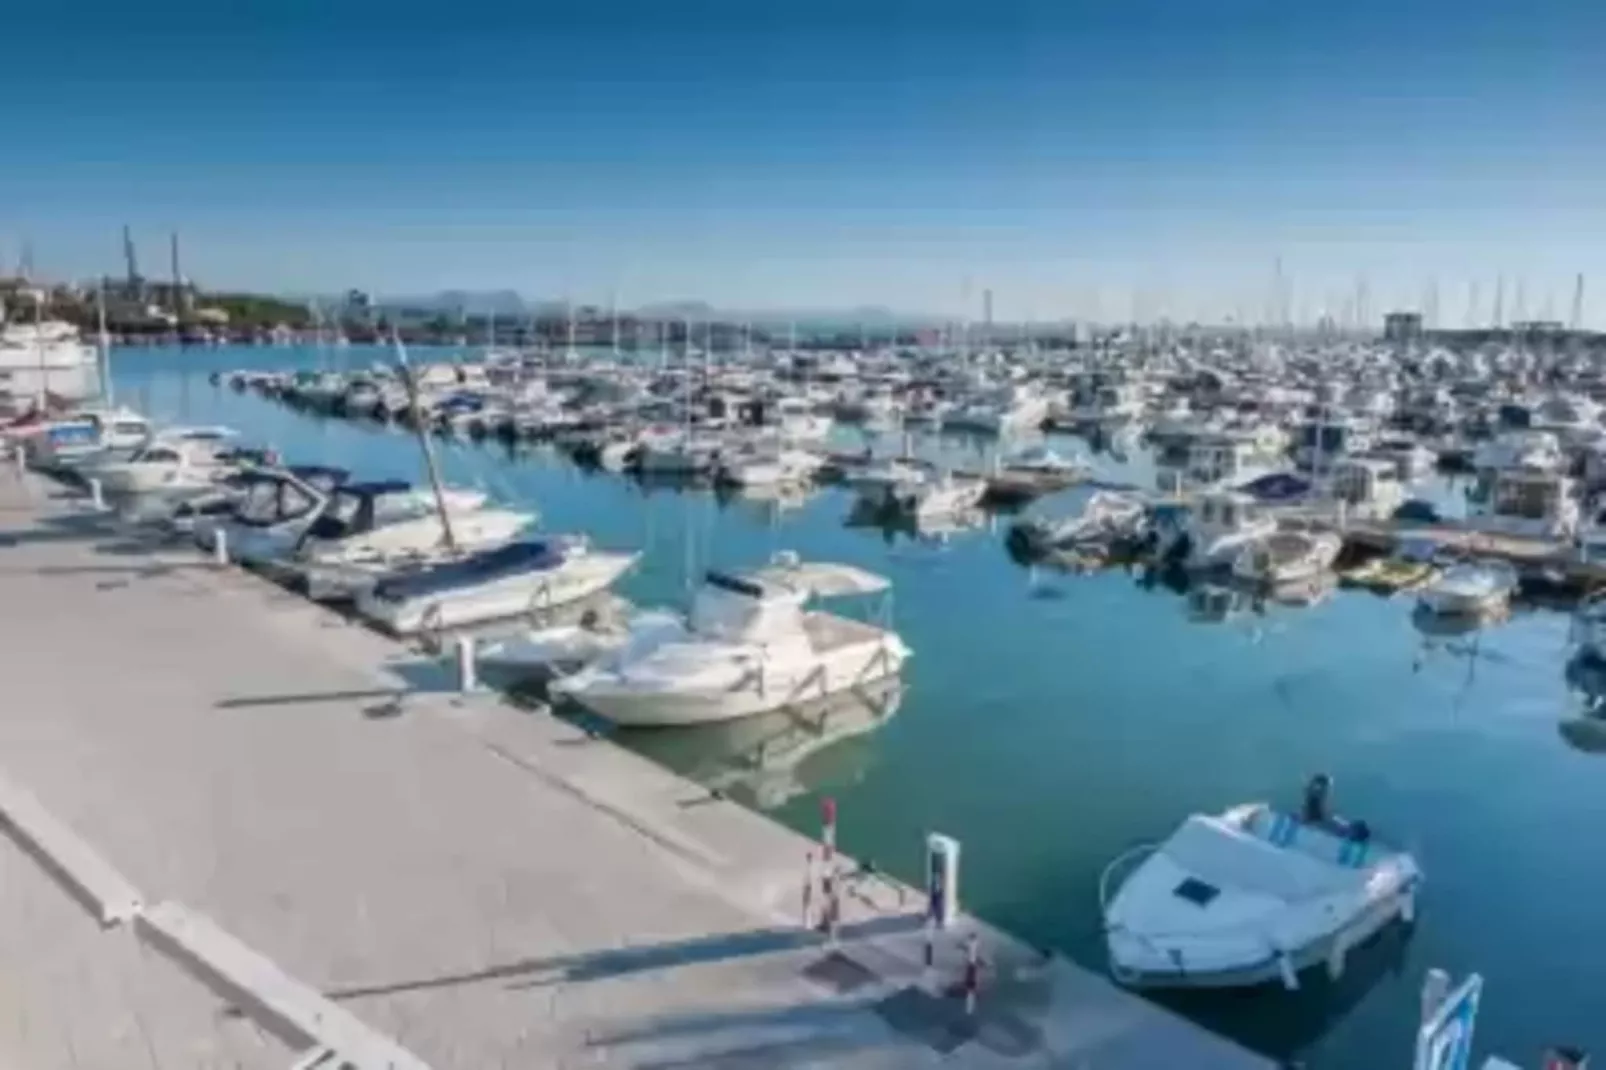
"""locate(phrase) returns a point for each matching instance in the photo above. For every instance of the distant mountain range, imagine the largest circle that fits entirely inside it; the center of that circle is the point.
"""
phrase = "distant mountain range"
(509, 303)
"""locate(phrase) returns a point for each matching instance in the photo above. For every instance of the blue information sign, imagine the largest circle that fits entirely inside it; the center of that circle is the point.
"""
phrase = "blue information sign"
(1445, 1041)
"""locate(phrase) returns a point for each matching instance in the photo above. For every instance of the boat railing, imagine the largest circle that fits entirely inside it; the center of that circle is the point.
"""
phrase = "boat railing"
(1121, 865)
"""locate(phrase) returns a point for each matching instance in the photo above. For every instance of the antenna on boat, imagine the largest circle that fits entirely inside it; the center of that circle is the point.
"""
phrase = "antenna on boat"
(430, 463)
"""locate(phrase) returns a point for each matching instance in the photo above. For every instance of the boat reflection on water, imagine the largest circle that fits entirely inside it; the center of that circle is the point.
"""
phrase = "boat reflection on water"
(767, 504)
(1586, 730)
(1286, 1025)
(930, 529)
(1217, 603)
(773, 758)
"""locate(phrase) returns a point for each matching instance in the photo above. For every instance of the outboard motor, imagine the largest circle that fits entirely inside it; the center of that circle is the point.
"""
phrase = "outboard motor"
(1566, 1058)
(1318, 800)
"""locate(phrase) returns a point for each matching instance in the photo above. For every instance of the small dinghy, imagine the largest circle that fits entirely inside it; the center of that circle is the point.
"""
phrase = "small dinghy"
(1287, 557)
(1472, 588)
(1251, 896)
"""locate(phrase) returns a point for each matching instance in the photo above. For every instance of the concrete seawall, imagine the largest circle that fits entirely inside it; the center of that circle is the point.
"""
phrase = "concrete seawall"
(476, 885)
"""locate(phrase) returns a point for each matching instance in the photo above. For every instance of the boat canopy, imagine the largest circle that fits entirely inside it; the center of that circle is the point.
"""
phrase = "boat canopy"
(822, 579)
(1277, 487)
(532, 555)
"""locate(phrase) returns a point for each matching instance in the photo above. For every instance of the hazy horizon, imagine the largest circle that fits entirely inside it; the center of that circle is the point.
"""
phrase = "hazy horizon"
(1155, 159)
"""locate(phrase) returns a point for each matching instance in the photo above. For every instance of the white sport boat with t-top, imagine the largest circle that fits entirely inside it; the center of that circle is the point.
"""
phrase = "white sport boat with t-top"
(524, 576)
(748, 646)
(1251, 896)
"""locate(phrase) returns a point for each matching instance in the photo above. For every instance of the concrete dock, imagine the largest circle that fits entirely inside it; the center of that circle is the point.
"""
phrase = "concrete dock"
(245, 833)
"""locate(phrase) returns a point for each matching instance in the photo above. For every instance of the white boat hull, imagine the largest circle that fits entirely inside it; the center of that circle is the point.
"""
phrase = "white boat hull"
(1267, 968)
(509, 596)
(742, 694)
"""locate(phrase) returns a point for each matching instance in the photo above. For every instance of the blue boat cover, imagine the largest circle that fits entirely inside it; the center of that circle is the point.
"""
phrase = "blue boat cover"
(1277, 487)
(320, 473)
(377, 487)
(524, 556)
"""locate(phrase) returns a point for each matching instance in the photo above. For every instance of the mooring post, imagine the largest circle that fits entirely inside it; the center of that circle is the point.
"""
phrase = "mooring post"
(1435, 989)
(220, 546)
(97, 497)
(467, 676)
(808, 889)
(972, 983)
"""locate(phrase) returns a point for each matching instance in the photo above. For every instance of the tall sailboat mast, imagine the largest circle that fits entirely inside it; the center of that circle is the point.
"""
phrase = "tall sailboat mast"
(431, 465)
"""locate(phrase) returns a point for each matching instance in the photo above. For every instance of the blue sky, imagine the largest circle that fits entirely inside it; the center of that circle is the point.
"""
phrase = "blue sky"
(1093, 159)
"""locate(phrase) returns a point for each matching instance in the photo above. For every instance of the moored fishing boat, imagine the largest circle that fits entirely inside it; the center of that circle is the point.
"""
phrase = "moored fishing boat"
(1252, 895)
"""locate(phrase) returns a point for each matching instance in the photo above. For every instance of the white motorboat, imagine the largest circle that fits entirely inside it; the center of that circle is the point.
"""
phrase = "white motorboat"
(525, 576)
(1471, 588)
(90, 434)
(748, 646)
(1287, 557)
(392, 515)
(174, 461)
(363, 532)
(1104, 516)
(918, 491)
(769, 468)
(1250, 896)
(257, 498)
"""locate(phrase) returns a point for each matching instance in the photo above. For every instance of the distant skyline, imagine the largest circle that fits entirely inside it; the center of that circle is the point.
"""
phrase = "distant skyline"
(1101, 160)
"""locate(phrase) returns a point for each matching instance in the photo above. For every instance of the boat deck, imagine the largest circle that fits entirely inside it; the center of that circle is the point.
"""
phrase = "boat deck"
(322, 832)
(828, 632)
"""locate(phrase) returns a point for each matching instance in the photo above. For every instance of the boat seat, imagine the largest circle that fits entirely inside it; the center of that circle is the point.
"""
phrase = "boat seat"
(1228, 857)
(1329, 844)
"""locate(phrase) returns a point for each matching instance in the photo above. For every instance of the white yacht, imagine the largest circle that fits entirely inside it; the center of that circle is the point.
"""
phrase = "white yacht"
(364, 531)
(1526, 502)
(1368, 486)
(1327, 437)
(749, 645)
(1218, 459)
(525, 576)
(1538, 451)
(1216, 528)
(798, 423)
(47, 360)
(920, 493)
(1251, 896)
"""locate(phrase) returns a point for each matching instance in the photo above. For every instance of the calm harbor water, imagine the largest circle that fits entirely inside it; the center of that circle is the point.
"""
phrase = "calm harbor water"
(1049, 722)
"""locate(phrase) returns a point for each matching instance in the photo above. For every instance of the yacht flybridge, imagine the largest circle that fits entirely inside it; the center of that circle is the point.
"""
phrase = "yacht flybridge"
(1253, 895)
(749, 645)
